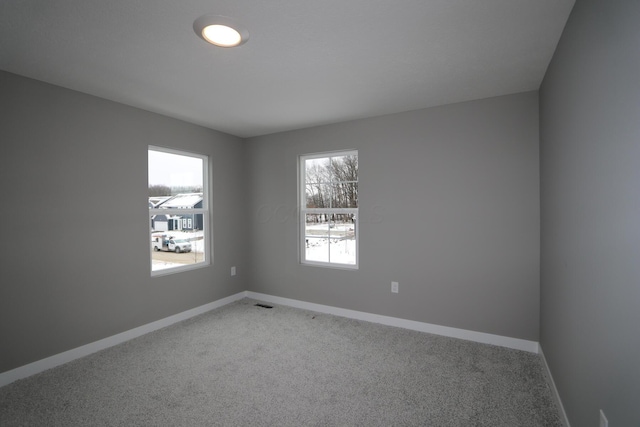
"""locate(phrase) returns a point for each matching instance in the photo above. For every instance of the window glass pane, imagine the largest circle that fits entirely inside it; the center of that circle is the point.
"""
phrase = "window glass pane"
(318, 195)
(342, 241)
(171, 174)
(173, 244)
(344, 169)
(316, 237)
(178, 209)
(317, 225)
(343, 249)
(317, 171)
(344, 195)
(317, 249)
(329, 204)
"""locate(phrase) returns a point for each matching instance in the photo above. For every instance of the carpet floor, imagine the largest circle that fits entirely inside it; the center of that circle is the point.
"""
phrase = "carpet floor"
(244, 365)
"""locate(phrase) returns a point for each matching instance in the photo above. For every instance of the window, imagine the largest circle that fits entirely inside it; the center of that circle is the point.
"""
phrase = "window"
(178, 210)
(329, 209)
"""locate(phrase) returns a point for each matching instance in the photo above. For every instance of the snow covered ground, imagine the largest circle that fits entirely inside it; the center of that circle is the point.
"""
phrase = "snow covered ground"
(157, 265)
(197, 251)
(323, 244)
(334, 250)
(335, 244)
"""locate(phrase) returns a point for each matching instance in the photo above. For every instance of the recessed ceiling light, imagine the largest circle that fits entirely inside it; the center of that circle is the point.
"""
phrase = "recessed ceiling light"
(220, 31)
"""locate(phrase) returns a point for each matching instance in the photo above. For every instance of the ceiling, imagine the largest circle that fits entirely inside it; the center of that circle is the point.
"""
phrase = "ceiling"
(306, 63)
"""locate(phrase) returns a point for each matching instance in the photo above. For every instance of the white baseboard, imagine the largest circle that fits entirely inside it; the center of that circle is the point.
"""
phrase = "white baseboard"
(481, 337)
(554, 390)
(76, 353)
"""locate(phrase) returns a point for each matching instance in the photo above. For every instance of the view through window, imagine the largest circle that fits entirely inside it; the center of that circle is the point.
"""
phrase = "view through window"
(178, 210)
(329, 209)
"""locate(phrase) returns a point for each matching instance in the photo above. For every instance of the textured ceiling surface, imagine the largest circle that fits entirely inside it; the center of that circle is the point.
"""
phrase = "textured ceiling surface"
(306, 63)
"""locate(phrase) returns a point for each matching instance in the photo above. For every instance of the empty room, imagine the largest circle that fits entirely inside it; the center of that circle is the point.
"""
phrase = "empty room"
(367, 213)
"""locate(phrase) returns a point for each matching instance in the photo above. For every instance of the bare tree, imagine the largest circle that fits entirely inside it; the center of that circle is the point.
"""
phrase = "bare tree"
(159, 190)
(344, 172)
(332, 184)
(164, 190)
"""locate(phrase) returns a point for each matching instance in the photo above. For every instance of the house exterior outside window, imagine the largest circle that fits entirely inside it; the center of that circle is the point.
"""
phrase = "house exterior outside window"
(178, 210)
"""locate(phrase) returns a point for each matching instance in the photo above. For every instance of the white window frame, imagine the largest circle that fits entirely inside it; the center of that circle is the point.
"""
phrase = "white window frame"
(204, 211)
(303, 210)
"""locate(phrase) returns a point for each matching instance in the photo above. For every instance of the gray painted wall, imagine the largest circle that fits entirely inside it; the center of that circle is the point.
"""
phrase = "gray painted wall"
(74, 262)
(449, 201)
(590, 171)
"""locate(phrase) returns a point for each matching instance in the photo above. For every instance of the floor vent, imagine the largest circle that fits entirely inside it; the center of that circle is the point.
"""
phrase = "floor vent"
(264, 306)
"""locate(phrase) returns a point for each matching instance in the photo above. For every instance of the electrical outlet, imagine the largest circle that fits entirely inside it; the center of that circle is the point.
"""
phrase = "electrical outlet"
(394, 287)
(604, 422)
(233, 271)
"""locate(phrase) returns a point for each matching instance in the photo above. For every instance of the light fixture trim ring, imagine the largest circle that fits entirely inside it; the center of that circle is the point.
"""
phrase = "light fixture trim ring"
(210, 19)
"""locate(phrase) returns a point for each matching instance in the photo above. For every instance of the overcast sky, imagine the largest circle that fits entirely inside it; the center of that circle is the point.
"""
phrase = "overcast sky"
(174, 170)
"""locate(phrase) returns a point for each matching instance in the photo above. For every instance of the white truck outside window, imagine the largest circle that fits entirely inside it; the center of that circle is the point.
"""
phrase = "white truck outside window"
(178, 210)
